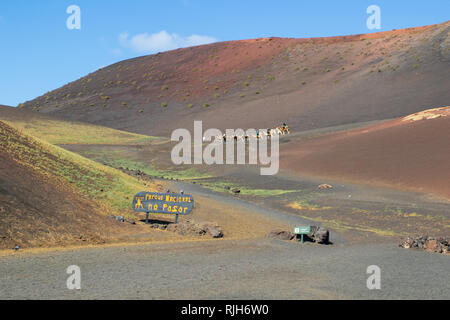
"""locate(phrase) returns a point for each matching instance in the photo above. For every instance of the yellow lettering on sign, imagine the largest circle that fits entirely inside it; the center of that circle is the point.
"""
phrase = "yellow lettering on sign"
(164, 206)
(138, 204)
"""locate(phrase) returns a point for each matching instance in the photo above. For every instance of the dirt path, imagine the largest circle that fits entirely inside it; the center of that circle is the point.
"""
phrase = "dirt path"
(258, 268)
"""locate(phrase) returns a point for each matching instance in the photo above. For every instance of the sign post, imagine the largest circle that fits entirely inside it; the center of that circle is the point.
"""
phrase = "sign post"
(301, 230)
(168, 203)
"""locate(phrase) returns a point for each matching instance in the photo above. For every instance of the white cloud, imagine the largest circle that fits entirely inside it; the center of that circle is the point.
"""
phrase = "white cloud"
(161, 41)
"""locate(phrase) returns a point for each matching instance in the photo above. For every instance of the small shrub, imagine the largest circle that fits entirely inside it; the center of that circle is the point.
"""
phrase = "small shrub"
(246, 84)
(205, 105)
(164, 104)
(190, 105)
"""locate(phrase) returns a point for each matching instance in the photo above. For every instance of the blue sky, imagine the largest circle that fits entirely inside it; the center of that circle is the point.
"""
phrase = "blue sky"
(39, 53)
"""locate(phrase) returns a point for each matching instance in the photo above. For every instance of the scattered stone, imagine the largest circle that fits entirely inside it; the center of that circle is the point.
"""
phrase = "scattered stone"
(236, 191)
(281, 235)
(227, 187)
(16, 248)
(214, 232)
(320, 235)
(130, 221)
(438, 245)
(212, 228)
(136, 173)
(120, 218)
(324, 186)
(192, 228)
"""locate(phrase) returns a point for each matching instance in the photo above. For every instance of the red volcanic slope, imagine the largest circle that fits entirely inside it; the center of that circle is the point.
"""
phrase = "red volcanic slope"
(409, 153)
(311, 83)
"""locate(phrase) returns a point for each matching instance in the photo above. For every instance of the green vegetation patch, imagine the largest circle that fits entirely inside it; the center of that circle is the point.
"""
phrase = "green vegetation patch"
(116, 159)
(219, 186)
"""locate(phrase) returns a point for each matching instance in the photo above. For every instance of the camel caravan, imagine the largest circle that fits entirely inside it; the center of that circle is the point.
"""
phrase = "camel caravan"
(260, 134)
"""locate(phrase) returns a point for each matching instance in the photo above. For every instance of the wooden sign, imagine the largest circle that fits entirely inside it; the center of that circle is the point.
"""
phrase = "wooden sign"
(169, 203)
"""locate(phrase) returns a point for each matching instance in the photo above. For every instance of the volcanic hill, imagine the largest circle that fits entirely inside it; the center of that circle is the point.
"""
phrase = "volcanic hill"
(309, 83)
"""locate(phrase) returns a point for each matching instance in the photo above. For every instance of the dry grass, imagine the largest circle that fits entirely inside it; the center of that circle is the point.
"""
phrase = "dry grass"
(67, 132)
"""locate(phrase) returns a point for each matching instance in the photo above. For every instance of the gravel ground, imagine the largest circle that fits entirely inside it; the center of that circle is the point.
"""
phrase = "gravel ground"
(252, 269)
(229, 269)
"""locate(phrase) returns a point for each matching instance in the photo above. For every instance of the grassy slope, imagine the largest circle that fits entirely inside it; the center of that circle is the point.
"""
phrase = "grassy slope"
(311, 83)
(110, 187)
